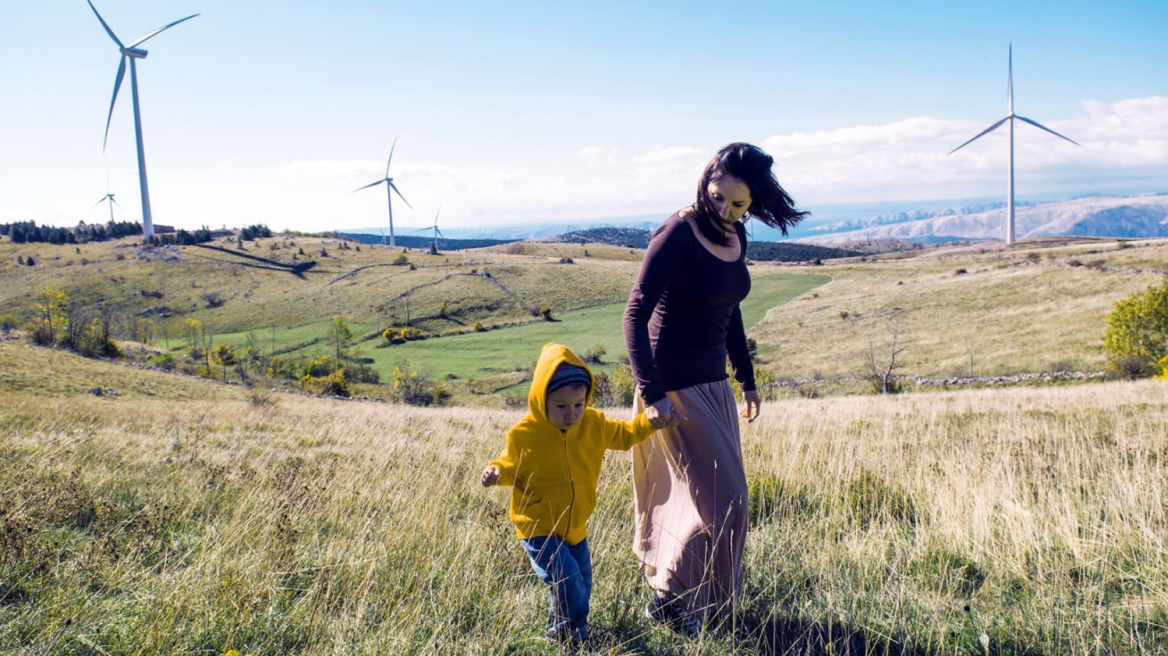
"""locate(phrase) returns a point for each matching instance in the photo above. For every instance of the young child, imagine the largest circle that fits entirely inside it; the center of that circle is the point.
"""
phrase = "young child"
(552, 461)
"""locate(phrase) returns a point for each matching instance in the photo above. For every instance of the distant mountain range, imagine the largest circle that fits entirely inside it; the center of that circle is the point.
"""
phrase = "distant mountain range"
(1097, 216)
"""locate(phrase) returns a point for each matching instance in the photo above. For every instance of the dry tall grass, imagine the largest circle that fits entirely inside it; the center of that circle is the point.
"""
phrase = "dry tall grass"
(905, 525)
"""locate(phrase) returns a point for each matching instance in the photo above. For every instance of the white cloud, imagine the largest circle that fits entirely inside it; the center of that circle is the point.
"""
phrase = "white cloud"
(596, 151)
(908, 159)
(333, 169)
(663, 154)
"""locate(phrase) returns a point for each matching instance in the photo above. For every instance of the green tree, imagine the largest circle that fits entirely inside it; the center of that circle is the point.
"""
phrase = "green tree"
(1137, 332)
(52, 317)
(223, 355)
(339, 337)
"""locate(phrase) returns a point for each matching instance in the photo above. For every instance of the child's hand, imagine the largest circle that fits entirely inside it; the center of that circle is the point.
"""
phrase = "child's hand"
(490, 475)
(659, 422)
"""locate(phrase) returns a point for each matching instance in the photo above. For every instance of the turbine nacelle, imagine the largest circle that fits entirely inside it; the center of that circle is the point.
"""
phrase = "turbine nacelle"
(136, 53)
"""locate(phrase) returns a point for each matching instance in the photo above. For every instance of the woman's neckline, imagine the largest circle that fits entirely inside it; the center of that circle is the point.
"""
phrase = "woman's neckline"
(685, 215)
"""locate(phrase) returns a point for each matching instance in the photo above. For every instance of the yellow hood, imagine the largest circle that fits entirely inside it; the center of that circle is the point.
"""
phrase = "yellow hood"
(550, 358)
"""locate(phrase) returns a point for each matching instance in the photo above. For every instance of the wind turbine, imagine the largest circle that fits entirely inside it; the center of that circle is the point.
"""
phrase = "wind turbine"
(437, 233)
(110, 198)
(390, 188)
(1010, 116)
(133, 53)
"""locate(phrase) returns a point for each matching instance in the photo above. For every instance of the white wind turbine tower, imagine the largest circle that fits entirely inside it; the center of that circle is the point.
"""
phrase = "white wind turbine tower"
(390, 188)
(437, 233)
(132, 52)
(1010, 116)
(108, 198)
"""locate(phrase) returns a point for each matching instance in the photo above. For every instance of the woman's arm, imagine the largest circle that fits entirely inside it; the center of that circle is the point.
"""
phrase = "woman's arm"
(663, 260)
(741, 363)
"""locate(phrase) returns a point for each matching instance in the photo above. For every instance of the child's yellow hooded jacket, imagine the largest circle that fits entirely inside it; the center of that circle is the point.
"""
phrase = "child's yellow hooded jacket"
(554, 473)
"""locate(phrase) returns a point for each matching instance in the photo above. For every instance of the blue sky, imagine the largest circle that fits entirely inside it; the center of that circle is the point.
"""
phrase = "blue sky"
(521, 112)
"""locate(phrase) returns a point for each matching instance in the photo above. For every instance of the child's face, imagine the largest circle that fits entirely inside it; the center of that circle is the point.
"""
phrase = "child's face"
(565, 406)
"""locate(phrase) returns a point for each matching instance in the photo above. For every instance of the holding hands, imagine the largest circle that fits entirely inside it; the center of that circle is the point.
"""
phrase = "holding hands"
(663, 413)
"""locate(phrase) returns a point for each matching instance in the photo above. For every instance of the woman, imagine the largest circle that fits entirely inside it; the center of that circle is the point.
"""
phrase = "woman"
(681, 323)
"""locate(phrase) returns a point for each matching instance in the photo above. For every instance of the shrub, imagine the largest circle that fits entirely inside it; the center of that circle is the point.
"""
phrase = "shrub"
(615, 388)
(479, 328)
(414, 388)
(334, 384)
(162, 361)
(546, 313)
(7, 324)
(1137, 332)
(400, 260)
(213, 299)
(960, 272)
(594, 354)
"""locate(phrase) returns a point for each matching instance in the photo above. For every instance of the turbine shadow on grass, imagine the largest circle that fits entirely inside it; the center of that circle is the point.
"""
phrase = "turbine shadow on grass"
(297, 269)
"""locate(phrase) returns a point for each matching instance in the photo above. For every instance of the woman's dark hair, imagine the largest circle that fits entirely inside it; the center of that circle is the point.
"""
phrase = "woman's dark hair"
(768, 202)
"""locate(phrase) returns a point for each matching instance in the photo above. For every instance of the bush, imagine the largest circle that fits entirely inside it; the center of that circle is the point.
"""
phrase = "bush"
(594, 354)
(1137, 332)
(213, 299)
(162, 361)
(617, 388)
(414, 388)
(479, 327)
(333, 384)
(400, 260)
(546, 313)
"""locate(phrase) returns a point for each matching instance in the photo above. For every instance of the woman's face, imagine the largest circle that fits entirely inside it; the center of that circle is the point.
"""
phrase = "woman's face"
(730, 196)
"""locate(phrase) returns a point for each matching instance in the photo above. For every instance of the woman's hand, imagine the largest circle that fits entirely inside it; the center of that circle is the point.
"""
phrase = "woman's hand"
(490, 476)
(663, 410)
(753, 405)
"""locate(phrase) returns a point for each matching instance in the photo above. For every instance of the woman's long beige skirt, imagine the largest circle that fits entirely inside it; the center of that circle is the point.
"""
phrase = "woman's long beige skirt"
(691, 501)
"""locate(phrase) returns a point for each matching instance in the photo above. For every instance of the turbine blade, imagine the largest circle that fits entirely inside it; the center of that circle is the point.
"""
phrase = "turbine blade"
(98, 203)
(113, 100)
(436, 216)
(422, 229)
(116, 203)
(1043, 127)
(394, 187)
(387, 162)
(984, 132)
(103, 24)
(440, 233)
(371, 184)
(160, 30)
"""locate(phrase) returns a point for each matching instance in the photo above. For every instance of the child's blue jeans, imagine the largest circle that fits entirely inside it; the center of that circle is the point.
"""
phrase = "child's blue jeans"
(568, 570)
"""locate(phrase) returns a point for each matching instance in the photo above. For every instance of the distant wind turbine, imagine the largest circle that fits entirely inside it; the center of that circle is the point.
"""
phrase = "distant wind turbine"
(110, 198)
(390, 188)
(437, 233)
(1010, 116)
(132, 52)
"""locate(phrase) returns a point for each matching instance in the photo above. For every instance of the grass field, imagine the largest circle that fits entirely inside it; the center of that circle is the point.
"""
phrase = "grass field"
(1039, 306)
(477, 355)
(1026, 310)
(1034, 520)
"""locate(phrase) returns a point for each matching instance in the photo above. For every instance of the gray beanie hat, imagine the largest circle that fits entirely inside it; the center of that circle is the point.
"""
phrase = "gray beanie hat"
(569, 374)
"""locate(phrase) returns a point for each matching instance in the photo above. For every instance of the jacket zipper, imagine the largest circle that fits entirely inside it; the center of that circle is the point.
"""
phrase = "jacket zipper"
(571, 483)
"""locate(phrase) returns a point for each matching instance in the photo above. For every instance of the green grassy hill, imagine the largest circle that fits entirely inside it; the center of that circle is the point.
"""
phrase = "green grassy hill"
(973, 309)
